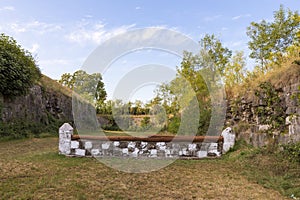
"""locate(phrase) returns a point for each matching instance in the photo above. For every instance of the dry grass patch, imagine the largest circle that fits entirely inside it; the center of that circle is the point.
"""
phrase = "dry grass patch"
(32, 169)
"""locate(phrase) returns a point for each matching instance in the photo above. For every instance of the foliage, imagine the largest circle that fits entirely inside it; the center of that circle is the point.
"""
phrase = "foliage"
(88, 86)
(23, 129)
(18, 70)
(111, 124)
(241, 127)
(270, 40)
(213, 54)
(235, 70)
(270, 111)
(198, 75)
(292, 152)
(296, 96)
(173, 125)
(274, 169)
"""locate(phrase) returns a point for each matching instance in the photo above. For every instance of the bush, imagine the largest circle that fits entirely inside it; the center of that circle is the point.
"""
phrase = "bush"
(292, 151)
(22, 128)
(174, 125)
(18, 71)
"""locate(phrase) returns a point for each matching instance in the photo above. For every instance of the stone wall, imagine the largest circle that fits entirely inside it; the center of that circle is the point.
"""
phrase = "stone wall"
(259, 122)
(72, 146)
(40, 105)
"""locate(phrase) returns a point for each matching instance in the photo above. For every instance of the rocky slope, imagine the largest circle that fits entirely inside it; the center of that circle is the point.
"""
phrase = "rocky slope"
(270, 110)
(46, 103)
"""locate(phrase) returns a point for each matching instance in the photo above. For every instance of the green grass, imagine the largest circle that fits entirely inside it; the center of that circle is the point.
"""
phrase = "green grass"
(51, 84)
(270, 169)
(33, 169)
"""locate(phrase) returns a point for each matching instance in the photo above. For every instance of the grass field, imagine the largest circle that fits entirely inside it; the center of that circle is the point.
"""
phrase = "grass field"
(32, 169)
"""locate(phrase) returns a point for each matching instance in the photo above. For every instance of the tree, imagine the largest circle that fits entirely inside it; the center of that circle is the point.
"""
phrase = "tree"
(67, 80)
(235, 70)
(89, 86)
(270, 40)
(198, 76)
(18, 70)
(213, 54)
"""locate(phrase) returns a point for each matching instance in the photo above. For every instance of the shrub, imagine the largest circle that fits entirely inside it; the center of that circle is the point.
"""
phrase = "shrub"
(292, 151)
(18, 71)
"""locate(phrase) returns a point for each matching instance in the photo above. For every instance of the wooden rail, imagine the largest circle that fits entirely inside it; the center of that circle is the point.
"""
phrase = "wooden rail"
(154, 138)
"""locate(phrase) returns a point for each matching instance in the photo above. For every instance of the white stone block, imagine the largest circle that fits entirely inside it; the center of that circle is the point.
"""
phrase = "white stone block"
(144, 145)
(202, 154)
(167, 152)
(213, 147)
(229, 139)
(64, 147)
(80, 152)
(161, 145)
(131, 145)
(135, 152)
(105, 145)
(88, 145)
(125, 151)
(66, 127)
(153, 153)
(116, 143)
(65, 133)
(95, 152)
(192, 147)
(185, 152)
(180, 153)
(74, 144)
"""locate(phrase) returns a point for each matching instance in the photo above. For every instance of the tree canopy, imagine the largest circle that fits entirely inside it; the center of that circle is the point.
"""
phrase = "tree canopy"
(89, 86)
(18, 69)
(270, 40)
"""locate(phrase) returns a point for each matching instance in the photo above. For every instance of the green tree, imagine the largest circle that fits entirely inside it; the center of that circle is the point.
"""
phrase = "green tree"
(198, 75)
(67, 80)
(89, 86)
(235, 70)
(270, 40)
(213, 54)
(18, 70)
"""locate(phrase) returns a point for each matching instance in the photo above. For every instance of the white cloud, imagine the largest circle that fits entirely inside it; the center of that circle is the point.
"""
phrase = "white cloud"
(237, 44)
(212, 18)
(137, 8)
(236, 17)
(241, 16)
(7, 8)
(88, 16)
(32, 26)
(87, 32)
(57, 62)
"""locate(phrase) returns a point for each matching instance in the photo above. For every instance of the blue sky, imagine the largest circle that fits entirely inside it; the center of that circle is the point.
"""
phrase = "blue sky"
(62, 33)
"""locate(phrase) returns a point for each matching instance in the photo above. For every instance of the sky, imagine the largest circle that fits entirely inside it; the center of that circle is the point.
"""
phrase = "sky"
(61, 34)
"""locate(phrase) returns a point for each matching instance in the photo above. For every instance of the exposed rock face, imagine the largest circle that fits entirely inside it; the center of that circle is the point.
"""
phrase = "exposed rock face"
(40, 106)
(259, 119)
